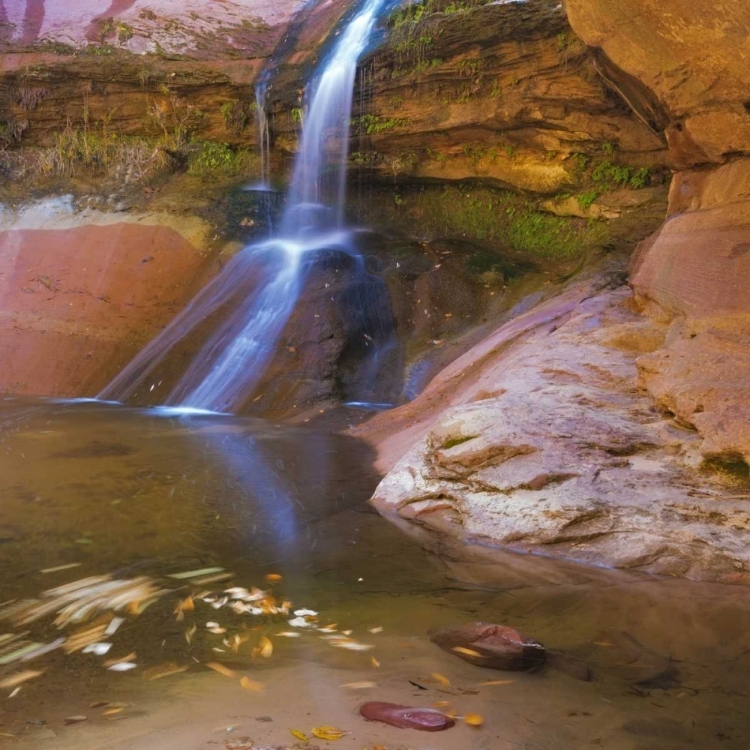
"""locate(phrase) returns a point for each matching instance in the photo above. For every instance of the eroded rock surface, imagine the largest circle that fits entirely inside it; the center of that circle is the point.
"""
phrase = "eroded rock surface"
(695, 273)
(550, 448)
(693, 61)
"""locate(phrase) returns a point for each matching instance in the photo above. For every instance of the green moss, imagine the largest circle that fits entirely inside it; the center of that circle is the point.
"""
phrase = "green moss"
(730, 466)
(499, 217)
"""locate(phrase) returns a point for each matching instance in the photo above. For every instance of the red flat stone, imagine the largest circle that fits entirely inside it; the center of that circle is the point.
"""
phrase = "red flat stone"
(405, 717)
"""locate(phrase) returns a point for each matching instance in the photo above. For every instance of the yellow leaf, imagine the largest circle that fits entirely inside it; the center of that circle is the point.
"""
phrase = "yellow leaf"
(328, 733)
(221, 669)
(474, 720)
(248, 684)
(300, 735)
(467, 651)
(265, 647)
(496, 682)
(442, 679)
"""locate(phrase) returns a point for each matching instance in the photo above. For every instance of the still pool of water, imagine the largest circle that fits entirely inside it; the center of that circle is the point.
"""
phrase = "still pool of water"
(129, 493)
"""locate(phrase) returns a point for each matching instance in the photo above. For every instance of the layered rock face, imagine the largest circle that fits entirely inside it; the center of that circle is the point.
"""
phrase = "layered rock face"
(693, 59)
(502, 92)
(693, 274)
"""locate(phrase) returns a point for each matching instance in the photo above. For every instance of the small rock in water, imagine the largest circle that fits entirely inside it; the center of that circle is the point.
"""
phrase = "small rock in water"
(405, 717)
(491, 646)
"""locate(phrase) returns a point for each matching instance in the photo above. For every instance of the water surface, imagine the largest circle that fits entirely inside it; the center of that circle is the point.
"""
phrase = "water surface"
(134, 492)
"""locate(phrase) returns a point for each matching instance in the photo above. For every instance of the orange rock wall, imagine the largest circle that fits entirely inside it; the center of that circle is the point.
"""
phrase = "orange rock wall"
(76, 304)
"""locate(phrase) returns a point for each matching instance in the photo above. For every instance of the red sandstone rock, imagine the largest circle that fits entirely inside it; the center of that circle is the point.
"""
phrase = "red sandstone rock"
(693, 62)
(694, 274)
(76, 304)
(405, 717)
(491, 646)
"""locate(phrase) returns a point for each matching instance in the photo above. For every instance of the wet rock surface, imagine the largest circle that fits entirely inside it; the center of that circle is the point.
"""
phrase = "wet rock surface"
(490, 646)
(540, 441)
(406, 717)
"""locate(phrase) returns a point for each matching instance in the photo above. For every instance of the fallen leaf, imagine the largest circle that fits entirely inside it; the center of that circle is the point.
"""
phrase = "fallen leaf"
(122, 666)
(442, 679)
(164, 670)
(60, 567)
(352, 645)
(328, 733)
(221, 669)
(265, 647)
(195, 573)
(366, 685)
(19, 678)
(113, 662)
(375, 663)
(496, 682)
(300, 735)
(474, 720)
(251, 685)
(189, 633)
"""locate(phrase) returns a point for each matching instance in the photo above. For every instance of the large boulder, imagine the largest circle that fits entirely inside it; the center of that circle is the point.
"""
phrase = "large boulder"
(549, 448)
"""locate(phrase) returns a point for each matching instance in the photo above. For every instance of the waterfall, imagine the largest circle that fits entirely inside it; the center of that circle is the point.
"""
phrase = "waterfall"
(261, 284)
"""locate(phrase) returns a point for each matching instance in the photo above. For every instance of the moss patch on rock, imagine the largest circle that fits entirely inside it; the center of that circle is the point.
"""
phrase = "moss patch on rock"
(491, 216)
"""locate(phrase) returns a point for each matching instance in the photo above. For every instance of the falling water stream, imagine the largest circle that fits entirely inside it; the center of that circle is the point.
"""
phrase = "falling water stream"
(262, 283)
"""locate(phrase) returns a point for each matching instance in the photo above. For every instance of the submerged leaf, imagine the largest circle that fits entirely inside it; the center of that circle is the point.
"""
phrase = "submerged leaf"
(474, 720)
(300, 735)
(251, 685)
(328, 733)
(265, 648)
(221, 669)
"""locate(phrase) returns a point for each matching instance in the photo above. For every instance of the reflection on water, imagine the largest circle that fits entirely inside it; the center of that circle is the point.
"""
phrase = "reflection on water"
(148, 492)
